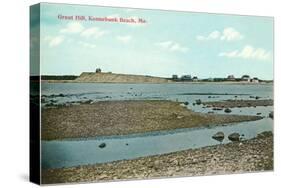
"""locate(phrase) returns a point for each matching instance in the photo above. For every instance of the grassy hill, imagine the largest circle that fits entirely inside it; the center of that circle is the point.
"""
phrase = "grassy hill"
(118, 78)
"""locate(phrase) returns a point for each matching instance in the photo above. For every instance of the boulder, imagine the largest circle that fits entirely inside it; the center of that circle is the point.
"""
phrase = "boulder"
(102, 145)
(198, 102)
(234, 137)
(219, 136)
(270, 115)
(227, 110)
(186, 103)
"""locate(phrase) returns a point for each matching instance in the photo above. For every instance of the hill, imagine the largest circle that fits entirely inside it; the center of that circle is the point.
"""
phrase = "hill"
(118, 78)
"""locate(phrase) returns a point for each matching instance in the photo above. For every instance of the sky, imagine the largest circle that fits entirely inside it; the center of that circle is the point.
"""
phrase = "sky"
(170, 42)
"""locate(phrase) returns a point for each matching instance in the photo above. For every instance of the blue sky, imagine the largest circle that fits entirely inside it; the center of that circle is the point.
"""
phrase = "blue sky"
(170, 42)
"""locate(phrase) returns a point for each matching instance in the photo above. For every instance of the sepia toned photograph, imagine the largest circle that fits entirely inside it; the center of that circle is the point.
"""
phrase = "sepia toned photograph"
(125, 94)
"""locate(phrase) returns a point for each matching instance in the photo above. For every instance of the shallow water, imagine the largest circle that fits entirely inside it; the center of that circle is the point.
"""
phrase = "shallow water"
(176, 92)
(68, 153)
(57, 154)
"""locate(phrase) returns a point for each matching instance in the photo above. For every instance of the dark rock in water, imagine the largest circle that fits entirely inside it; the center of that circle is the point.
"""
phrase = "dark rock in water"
(270, 115)
(258, 113)
(257, 97)
(102, 145)
(53, 101)
(61, 95)
(127, 144)
(186, 103)
(234, 137)
(219, 136)
(227, 110)
(210, 112)
(193, 104)
(198, 101)
(216, 108)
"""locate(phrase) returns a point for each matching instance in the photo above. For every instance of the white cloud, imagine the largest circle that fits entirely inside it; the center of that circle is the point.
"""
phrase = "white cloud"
(228, 34)
(95, 32)
(72, 27)
(124, 39)
(54, 41)
(172, 46)
(248, 52)
(86, 44)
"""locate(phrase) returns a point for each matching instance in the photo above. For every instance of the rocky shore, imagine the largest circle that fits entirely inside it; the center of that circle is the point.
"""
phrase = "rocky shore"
(108, 118)
(246, 156)
(238, 103)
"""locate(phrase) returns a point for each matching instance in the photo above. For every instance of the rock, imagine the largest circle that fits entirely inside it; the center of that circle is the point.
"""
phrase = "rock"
(234, 137)
(258, 113)
(210, 112)
(198, 102)
(216, 108)
(219, 136)
(102, 145)
(186, 103)
(270, 115)
(156, 164)
(61, 95)
(257, 97)
(227, 110)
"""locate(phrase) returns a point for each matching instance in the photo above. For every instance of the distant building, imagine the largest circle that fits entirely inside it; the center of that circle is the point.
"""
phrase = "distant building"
(186, 78)
(230, 78)
(246, 78)
(174, 77)
(255, 80)
(195, 79)
(98, 70)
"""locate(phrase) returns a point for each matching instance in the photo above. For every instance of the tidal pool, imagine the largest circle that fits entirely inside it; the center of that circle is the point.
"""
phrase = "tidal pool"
(68, 153)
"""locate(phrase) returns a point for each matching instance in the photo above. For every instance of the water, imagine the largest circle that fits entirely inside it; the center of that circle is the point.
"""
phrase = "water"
(67, 153)
(57, 154)
(176, 92)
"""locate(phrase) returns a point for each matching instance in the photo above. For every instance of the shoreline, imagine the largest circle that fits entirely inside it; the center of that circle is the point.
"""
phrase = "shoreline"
(246, 156)
(170, 82)
(238, 103)
(113, 118)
